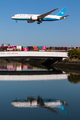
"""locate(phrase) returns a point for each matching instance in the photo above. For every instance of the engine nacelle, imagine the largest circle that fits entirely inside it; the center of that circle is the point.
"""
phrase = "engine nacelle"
(30, 21)
(34, 17)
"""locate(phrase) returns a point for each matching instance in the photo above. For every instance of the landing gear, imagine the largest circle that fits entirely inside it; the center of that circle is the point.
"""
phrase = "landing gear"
(39, 21)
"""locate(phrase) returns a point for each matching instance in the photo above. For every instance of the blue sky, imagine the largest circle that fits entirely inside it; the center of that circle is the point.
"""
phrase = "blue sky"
(59, 33)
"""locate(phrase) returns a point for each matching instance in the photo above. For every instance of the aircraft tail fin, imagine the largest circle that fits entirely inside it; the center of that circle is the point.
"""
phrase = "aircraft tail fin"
(61, 13)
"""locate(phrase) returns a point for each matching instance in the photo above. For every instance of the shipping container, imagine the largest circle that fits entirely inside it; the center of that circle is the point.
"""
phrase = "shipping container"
(44, 48)
(25, 49)
(19, 48)
(25, 46)
(40, 46)
(5, 49)
(35, 48)
(14, 49)
(9, 49)
(30, 48)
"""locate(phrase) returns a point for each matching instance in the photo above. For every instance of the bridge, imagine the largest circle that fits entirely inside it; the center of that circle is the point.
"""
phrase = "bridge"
(32, 54)
(33, 77)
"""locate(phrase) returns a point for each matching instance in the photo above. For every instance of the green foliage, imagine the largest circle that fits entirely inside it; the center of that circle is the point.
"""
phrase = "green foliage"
(74, 53)
(74, 78)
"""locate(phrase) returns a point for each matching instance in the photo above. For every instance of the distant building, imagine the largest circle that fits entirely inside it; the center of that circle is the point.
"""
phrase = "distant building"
(5, 44)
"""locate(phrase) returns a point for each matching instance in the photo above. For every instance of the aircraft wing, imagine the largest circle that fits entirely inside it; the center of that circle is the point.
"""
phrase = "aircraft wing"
(44, 15)
(50, 109)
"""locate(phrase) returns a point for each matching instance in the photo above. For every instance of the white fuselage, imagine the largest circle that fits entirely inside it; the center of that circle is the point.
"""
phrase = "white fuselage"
(55, 104)
(34, 17)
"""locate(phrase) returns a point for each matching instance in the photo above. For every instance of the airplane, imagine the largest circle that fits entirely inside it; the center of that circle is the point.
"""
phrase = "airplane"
(30, 18)
(50, 104)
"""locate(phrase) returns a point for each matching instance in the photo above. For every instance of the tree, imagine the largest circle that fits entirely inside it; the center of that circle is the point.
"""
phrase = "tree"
(74, 79)
(74, 53)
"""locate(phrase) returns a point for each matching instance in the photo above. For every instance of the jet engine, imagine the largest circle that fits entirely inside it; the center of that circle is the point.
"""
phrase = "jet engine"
(30, 21)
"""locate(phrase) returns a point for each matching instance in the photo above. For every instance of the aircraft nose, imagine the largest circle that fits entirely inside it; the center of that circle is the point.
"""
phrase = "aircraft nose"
(12, 17)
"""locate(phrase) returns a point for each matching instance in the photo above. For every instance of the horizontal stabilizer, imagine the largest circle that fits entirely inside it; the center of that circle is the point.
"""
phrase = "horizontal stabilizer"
(64, 17)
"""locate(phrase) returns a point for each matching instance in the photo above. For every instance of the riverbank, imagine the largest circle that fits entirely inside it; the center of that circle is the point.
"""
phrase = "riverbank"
(68, 65)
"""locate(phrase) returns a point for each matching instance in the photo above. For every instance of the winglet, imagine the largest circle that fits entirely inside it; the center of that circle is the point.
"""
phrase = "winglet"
(61, 13)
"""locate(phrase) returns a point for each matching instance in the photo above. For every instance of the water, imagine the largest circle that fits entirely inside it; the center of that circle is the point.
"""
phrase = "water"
(52, 96)
(13, 66)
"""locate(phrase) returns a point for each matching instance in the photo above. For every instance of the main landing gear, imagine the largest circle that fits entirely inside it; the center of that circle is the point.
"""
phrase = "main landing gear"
(39, 21)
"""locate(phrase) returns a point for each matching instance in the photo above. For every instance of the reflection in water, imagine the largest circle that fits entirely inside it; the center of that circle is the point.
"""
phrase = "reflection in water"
(74, 78)
(24, 72)
(49, 104)
(18, 71)
(17, 67)
(31, 84)
(33, 77)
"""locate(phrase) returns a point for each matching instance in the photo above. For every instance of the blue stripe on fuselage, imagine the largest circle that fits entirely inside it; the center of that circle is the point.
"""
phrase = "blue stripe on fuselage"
(49, 19)
(44, 19)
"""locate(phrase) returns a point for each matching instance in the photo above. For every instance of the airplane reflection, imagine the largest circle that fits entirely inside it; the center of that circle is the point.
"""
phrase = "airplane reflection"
(50, 104)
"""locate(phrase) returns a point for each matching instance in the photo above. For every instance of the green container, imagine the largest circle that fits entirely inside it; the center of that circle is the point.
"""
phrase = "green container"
(14, 49)
(25, 47)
